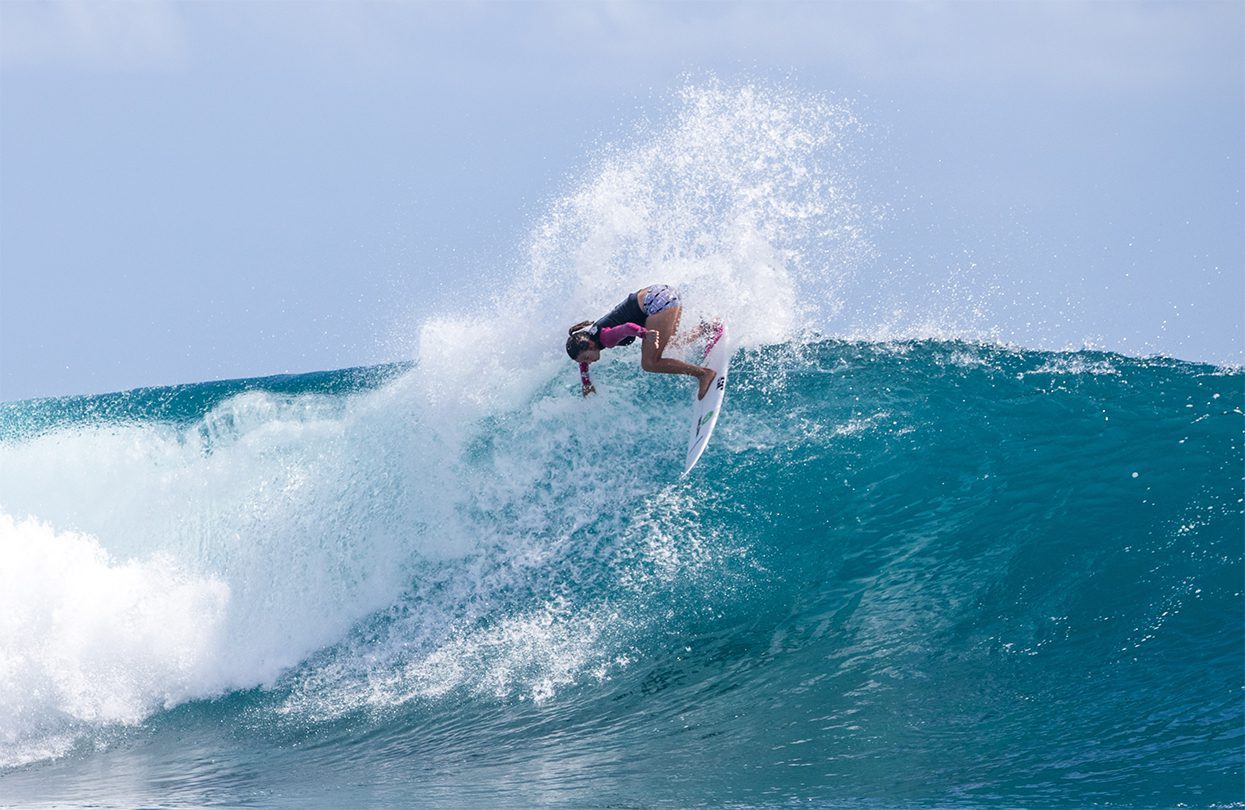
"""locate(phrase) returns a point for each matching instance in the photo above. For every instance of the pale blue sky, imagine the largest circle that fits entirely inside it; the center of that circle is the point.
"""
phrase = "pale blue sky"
(192, 191)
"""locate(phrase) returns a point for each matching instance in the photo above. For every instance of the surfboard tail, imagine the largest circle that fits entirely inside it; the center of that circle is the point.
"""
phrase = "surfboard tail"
(719, 329)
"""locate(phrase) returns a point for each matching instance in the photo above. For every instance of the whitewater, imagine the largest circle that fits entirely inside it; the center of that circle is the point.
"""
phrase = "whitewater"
(917, 566)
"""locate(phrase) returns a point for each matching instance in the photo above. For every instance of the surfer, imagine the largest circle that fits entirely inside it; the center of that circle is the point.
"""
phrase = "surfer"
(648, 313)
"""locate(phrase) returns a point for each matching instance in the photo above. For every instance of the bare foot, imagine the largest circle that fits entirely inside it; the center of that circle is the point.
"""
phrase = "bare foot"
(706, 379)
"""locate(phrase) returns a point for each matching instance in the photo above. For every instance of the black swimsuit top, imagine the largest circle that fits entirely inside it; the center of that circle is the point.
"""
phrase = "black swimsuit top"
(628, 311)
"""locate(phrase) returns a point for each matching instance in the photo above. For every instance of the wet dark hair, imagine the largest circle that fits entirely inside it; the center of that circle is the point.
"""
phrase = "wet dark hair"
(579, 340)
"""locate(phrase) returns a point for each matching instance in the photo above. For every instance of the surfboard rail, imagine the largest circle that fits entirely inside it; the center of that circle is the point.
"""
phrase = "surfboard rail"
(705, 412)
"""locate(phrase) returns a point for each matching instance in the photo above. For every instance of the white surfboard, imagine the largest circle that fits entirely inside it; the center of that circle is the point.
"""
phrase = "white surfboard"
(705, 412)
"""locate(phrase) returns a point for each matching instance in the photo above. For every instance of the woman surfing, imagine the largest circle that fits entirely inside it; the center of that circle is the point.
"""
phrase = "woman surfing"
(648, 313)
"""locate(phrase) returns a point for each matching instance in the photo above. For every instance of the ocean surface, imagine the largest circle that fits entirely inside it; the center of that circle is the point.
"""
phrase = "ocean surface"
(905, 574)
(919, 565)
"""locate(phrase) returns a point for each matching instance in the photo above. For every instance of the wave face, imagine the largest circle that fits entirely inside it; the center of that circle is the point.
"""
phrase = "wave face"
(927, 572)
(910, 570)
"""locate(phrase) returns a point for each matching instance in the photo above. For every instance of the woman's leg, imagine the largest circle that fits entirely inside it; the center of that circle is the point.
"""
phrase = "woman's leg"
(665, 324)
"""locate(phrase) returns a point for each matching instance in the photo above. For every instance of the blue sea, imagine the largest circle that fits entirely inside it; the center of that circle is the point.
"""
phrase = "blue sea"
(925, 561)
(905, 574)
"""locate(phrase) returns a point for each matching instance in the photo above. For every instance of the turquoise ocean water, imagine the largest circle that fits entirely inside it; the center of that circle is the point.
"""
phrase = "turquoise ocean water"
(919, 566)
(913, 574)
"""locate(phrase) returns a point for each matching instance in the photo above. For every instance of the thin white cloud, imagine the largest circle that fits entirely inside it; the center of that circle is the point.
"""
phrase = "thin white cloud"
(1087, 46)
(144, 34)
(1095, 46)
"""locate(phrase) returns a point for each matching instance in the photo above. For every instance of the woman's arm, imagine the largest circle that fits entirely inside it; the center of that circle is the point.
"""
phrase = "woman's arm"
(585, 380)
(614, 335)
